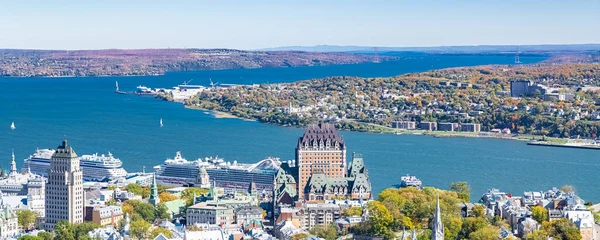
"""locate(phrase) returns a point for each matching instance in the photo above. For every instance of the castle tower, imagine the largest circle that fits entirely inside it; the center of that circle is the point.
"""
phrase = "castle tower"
(320, 150)
(438, 226)
(154, 199)
(64, 190)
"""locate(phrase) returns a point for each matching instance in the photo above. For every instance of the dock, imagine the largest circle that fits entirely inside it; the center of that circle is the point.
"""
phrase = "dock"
(546, 144)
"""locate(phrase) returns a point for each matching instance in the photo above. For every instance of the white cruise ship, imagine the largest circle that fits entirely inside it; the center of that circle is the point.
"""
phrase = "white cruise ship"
(94, 167)
(179, 171)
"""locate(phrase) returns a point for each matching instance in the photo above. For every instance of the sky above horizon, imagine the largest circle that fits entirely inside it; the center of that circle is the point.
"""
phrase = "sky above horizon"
(259, 24)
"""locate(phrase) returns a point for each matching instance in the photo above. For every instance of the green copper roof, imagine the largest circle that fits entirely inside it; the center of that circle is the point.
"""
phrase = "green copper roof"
(175, 206)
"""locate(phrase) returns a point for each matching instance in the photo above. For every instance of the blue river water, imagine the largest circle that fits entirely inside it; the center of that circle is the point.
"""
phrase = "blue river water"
(94, 119)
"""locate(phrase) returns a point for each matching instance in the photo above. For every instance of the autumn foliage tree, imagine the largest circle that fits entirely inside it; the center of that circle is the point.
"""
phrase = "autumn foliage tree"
(167, 197)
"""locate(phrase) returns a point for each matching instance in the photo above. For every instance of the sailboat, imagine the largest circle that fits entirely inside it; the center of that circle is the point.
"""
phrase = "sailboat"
(12, 126)
(161, 124)
(117, 88)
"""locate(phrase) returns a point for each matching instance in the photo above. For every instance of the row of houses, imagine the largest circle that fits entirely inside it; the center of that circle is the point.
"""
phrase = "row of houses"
(517, 210)
(434, 126)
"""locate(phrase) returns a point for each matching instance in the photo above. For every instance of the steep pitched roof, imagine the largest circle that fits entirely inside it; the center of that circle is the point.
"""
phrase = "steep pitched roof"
(161, 237)
(361, 181)
(65, 151)
(357, 165)
(175, 206)
(321, 132)
(319, 182)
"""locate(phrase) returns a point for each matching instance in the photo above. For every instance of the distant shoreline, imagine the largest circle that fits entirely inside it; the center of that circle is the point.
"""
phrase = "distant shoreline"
(215, 113)
(551, 142)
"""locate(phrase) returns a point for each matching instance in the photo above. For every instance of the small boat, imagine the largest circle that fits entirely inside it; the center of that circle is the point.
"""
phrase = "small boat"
(12, 126)
(161, 124)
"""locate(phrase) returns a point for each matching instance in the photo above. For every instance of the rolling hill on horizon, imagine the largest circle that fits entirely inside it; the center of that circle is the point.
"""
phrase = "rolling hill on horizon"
(542, 48)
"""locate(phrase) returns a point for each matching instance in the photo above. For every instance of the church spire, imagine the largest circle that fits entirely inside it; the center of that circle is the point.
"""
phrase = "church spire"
(403, 232)
(438, 226)
(154, 199)
(125, 232)
(13, 164)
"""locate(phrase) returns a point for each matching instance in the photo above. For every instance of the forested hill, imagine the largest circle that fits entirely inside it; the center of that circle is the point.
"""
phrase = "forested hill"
(113, 62)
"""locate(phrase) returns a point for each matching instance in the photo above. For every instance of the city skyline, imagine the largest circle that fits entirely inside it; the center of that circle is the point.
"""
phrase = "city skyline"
(265, 24)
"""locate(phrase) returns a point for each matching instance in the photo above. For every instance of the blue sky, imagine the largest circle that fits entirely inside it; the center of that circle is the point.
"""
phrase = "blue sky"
(261, 24)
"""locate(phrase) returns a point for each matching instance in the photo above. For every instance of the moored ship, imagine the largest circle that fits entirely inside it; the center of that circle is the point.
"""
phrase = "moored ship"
(411, 181)
(95, 167)
(143, 90)
(231, 176)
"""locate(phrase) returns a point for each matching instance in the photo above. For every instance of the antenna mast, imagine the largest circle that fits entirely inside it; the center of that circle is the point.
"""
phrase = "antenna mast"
(517, 60)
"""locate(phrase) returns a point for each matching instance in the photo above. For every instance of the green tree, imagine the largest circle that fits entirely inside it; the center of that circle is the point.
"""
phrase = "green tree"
(46, 235)
(452, 227)
(352, 211)
(64, 231)
(162, 211)
(478, 211)
(162, 188)
(299, 236)
(138, 190)
(462, 189)
(112, 202)
(144, 210)
(424, 235)
(134, 188)
(81, 230)
(471, 225)
(537, 235)
(139, 229)
(486, 233)
(380, 218)
(28, 237)
(562, 229)
(26, 218)
(539, 213)
(157, 231)
(188, 194)
(328, 232)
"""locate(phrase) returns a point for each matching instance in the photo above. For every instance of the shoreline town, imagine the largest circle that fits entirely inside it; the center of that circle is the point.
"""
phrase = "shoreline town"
(184, 92)
(317, 195)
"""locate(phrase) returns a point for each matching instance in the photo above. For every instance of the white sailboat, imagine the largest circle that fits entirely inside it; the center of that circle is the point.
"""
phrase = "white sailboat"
(117, 85)
(12, 126)
(161, 124)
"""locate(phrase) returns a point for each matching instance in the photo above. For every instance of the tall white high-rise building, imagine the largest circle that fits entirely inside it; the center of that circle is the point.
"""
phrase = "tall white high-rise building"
(64, 190)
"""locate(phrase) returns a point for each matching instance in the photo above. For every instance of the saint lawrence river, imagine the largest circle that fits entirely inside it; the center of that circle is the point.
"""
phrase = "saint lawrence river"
(94, 119)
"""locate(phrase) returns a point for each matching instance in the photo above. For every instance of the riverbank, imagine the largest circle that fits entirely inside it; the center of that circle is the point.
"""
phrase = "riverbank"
(214, 113)
(350, 125)
(375, 128)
